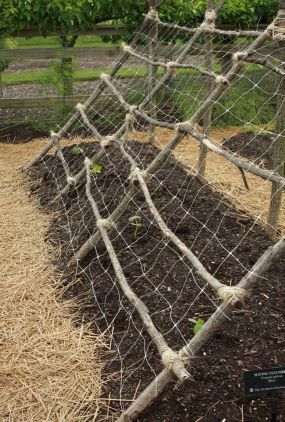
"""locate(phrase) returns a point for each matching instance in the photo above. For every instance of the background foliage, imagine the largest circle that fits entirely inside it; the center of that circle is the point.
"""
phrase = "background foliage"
(70, 15)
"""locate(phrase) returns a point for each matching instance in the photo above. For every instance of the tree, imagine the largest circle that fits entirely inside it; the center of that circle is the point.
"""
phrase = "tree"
(65, 17)
(68, 17)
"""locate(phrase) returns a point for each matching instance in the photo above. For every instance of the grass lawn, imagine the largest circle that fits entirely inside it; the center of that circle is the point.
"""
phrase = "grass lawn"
(53, 41)
(44, 76)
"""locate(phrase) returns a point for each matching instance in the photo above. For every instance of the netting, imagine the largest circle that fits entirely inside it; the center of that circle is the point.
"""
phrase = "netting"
(165, 240)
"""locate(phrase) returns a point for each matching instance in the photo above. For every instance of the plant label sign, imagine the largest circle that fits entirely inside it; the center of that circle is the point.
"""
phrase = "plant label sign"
(263, 381)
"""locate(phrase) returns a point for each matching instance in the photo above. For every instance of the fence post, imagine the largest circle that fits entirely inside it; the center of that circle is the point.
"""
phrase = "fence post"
(152, 70)
(278, 148)
(207, 119)
(1, 85)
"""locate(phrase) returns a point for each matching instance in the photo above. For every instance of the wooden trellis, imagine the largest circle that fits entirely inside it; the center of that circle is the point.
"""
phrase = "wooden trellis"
(174, 362)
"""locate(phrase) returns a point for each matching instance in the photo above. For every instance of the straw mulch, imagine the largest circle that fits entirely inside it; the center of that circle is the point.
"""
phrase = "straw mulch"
(49, 367)
(224, 176)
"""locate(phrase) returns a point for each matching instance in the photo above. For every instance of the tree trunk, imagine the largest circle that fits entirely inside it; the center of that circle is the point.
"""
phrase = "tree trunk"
(1, 85)
(66, 70)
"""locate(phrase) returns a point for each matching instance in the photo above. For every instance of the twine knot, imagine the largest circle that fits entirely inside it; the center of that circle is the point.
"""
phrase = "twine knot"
(152, 14)
(183, 126)
(104, 77)
(70, 180)
(170, 65)
(105, 223)
(107, 141)
(130, 119)
(132, 108)
(232, 294)
(222, 80)
(239, 56)
(276, 30)
(168, 358)
(80, 107)
(138, 172)
(126, 48)
(54, 134)
(209, 21)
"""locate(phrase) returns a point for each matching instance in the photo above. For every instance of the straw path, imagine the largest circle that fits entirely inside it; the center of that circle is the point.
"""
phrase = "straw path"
(49, 367)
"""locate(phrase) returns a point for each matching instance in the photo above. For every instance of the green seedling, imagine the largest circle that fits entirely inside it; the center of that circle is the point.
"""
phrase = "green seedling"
(198, 324)
(135, 221)
(76, 150)
(96, 170)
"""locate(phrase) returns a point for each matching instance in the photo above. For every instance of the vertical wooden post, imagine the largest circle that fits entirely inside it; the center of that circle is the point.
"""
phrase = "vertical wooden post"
(67, 72)
(1, 85)
(278, 149)
(207, 119)
(152, 70)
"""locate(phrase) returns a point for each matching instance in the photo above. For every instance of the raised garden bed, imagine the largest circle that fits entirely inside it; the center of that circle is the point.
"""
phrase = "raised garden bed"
(208, 223)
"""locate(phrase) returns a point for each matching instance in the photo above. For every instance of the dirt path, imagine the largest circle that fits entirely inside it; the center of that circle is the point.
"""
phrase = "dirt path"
(49, 369)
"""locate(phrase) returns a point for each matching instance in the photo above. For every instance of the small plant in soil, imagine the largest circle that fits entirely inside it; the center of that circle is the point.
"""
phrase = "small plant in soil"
(135, 221)
(76, 150)
(96, 170)
(198, 324)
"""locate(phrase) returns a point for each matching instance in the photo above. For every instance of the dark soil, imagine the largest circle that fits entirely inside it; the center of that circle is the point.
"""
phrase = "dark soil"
(256, 148)
(204, 220)
(20, 134)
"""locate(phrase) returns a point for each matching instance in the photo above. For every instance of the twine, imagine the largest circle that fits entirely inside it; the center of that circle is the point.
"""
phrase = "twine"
(222, 80)
(169, 66)
(232, 294)
(152, 14)
(136, 172)
(130, 119)
(105, 223)
(239, 55)
(70, 180)
(276, 32)
(168, 358)
(209, 21)
(182, 125)
(80, 107)
(104, 77)
(126, 48)
(107, 141)
(54, 134)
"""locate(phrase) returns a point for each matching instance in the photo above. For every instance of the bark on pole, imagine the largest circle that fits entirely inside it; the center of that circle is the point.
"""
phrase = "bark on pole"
(278, 148)
(207, 119)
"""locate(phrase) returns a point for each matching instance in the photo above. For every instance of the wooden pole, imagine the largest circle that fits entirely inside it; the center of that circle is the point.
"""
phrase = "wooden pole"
(207, 119)
(152, 71)
(278, 148)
